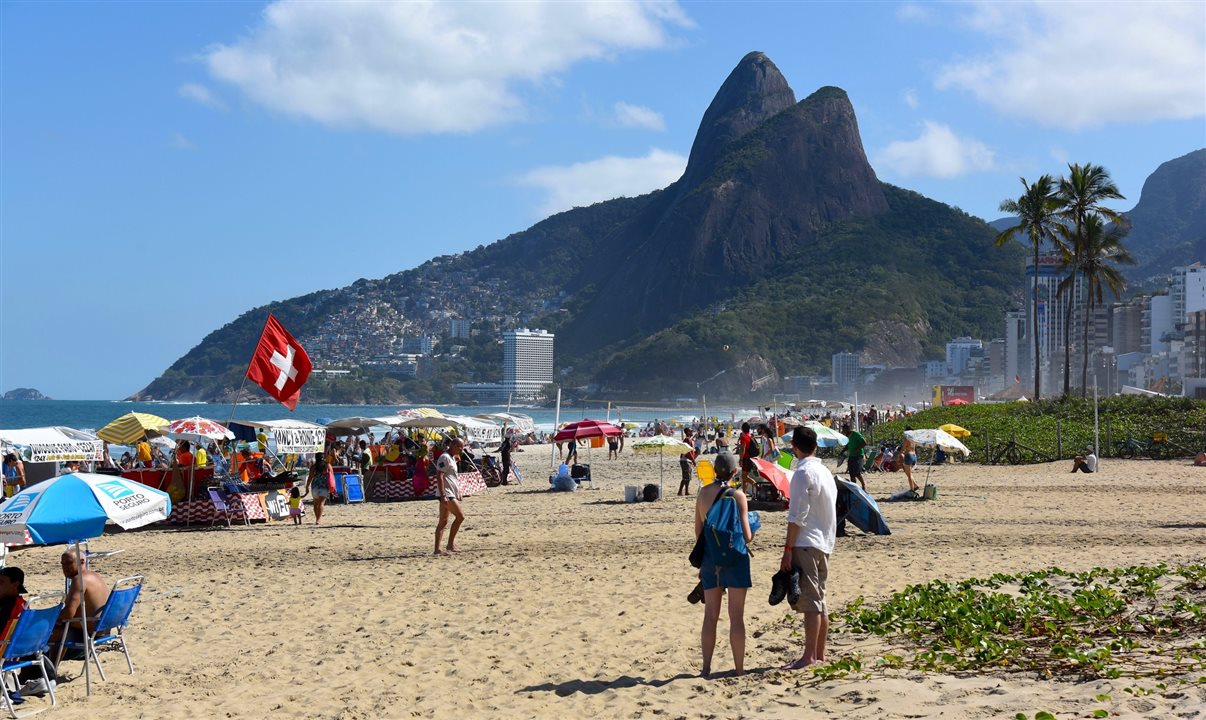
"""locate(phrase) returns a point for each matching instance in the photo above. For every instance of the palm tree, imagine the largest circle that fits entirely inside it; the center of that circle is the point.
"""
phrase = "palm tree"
(1036, 212)
(1080, 196)
(1101, 251)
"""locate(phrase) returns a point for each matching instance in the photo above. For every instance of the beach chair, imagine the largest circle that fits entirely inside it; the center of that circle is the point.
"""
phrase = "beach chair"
(107, 630)
(222, 509)
(27, 647)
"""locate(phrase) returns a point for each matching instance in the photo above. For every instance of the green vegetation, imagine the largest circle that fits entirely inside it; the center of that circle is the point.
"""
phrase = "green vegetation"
(1034, 425)
(1135, 622)
(831, 295)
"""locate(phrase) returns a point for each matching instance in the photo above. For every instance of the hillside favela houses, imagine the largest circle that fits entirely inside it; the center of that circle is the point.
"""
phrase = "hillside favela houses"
(1149, 342)
(527, 368)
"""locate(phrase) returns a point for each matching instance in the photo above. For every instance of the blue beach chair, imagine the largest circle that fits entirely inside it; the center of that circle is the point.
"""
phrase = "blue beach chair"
(27, 647)
(110, 625)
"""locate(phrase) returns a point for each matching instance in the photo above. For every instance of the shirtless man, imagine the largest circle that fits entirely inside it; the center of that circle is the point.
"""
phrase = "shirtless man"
(96, 594)
(909, 449)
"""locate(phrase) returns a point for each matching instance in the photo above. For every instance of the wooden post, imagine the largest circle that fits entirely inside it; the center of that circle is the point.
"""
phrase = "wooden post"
(1059, 439)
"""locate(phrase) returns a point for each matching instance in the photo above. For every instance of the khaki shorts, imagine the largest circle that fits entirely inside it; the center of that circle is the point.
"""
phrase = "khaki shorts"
(814, 571)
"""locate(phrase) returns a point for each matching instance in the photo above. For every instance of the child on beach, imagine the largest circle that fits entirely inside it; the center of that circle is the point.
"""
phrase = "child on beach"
(295, 508)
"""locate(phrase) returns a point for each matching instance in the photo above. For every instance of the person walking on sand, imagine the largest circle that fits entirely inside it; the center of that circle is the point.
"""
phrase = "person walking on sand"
(909, 449)
(686, 462)
(811, 529)
(318, 485)
(449, 493)
(717, 579)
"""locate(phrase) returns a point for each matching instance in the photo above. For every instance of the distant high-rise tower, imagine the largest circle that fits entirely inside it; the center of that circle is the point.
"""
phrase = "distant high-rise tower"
(527, 362)
(458, 328)
(845, 370)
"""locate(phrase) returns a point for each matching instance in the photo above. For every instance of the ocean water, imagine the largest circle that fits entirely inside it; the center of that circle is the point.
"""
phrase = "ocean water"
(93, 414)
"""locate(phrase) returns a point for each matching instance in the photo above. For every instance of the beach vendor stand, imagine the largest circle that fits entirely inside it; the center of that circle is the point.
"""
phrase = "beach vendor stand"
(45, 447)
(190, 505)
(288, 437)
(396, 484)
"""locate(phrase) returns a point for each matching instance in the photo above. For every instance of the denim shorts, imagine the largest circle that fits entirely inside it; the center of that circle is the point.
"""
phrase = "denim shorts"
(726, 576)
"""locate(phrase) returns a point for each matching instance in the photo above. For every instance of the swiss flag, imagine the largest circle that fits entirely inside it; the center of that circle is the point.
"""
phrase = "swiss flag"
(279, 365)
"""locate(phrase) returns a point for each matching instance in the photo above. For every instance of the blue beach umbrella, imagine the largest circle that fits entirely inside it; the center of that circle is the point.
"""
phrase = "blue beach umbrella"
(75, 507)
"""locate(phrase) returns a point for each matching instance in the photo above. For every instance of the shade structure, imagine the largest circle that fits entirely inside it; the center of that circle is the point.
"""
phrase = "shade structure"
(660, 444)
(196, 429)
(355, 425)
(518, 421)
(955, 431)
(75, 507)
(826, 436)
(774, 474)
(130, 427)
(53, 444)
(584, 429)
(937, 438)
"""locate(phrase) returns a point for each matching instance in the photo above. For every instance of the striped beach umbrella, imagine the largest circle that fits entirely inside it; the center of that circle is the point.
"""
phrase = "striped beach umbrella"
(130, 427)
(196, 429)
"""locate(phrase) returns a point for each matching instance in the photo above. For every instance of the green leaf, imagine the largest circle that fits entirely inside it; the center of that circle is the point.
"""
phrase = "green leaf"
(1021, 716)
(1043, 715)
(1103, 698)
(1101, 713)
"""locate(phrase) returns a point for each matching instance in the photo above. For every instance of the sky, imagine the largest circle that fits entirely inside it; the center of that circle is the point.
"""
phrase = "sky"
(165, 167)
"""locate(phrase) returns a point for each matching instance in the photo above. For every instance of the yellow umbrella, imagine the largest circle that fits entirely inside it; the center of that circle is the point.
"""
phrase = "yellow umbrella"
(955, 430)
(130, 427)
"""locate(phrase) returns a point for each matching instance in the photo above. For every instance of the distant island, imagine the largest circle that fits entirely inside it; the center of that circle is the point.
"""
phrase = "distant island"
(23, 394)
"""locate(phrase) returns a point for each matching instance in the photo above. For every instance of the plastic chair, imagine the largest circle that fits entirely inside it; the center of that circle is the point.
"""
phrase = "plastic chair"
(110, 625)
(27, 647)
(705, 472)
(220, 506)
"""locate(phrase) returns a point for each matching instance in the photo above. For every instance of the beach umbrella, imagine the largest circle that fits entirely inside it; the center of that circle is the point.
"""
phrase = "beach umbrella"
(659, 444)
(196, 429)
(955, 431)
(862, 510)
(585, 429)
(957, 401)
(937, 438)
(826, 436)
(130, 428)
(75, 507)
(774, 474)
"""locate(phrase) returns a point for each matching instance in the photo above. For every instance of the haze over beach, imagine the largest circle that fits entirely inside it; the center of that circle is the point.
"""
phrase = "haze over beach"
(288, 289)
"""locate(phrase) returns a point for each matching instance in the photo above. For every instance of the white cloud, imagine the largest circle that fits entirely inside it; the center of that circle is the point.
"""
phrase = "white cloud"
(938, 152)
(910, 98)
(1060, 155)
(585, 183)
(912, 12)
(639, 116)
(426, 67)
(180, 142)
(1074, 65)
(202, 95)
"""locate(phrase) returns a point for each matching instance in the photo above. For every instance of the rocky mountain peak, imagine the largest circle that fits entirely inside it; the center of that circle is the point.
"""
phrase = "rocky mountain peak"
(752, 93)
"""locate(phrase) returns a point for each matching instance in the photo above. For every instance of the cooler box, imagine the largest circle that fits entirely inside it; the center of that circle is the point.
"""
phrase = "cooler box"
(352, 490)
(596, 442)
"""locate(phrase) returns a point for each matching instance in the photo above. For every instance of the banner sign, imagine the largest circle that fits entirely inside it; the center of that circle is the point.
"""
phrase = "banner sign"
(299, 440)
(81, 450)
(966, 393)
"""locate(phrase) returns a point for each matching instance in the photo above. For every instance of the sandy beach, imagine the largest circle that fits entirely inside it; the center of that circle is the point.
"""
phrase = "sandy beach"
(573, 605)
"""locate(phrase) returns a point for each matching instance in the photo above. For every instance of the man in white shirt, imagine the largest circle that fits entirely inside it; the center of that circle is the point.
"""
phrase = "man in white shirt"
(1086, 463)
(811, 528)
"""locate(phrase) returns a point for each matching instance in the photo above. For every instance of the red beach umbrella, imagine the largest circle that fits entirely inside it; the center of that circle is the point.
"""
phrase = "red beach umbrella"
(775, 475)
(584, 429)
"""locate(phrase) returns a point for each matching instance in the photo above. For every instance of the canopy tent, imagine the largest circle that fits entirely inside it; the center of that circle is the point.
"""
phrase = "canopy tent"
(354, 425)
(53, 444)
(130, 428)
(522, 423)
(292, 436)
(478, 431)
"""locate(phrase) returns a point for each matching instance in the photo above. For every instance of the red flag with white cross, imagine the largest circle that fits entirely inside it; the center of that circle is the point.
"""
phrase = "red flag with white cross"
(280, 364)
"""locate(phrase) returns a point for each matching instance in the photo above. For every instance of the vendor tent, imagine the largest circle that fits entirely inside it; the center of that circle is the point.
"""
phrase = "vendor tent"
(518, 421)
(354, 425)
(53, 444)
(291, 436)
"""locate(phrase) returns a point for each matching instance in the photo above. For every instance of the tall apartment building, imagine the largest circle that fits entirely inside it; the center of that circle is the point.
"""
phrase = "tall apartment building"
(458, 328)
(959, 352)
(1019, 351)
(527, 362)
(1052, 313)
(845, 368)
(1126, 332)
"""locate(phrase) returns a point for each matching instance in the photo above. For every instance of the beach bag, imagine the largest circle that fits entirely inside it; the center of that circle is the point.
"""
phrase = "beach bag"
(697, 552)
(330, 480)
(725, 539)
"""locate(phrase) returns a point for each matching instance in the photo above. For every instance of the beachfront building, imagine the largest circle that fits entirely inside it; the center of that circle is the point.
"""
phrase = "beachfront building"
(1019, 350)
(527, 362)
(845, 369)
(1052, 317)
(959, 353)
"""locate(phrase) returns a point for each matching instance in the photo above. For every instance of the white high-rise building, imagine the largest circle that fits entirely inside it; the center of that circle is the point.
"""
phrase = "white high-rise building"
(959, 352)
(527, 362)
(458, 328)
(1019, 354)
(845, 367)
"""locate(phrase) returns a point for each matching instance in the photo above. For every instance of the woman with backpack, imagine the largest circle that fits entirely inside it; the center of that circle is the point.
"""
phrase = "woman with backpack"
(722, 517)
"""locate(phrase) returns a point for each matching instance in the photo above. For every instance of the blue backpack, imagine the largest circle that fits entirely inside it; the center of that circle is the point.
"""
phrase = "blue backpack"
(724, 540)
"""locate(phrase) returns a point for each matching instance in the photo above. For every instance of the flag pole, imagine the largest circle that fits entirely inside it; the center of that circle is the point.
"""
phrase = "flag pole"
(238, 394)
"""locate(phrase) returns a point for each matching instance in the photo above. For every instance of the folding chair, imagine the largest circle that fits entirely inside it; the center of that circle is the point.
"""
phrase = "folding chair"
(222, 509)
(108, 628)
(27, 647)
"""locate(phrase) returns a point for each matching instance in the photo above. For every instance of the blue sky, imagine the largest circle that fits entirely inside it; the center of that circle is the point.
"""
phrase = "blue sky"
(166, 166)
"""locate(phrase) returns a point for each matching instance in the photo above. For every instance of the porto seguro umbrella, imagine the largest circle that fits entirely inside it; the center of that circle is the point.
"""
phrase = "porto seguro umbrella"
(74, 507)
